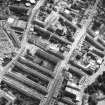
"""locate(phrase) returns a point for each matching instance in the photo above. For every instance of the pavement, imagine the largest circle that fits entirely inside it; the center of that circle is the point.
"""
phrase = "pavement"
(99, 72)
(24, 40)
(79, 34)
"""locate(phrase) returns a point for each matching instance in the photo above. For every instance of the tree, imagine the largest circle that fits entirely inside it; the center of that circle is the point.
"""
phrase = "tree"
(100, 79)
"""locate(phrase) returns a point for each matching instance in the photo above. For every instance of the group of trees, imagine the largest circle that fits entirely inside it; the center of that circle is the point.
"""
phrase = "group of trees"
(91, 90)
(4, 11)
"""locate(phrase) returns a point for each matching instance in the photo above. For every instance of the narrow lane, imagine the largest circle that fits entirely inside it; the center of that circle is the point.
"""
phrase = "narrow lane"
(24, 40)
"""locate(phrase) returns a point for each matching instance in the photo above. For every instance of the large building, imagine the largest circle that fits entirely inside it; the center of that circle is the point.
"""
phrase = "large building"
(58, 52)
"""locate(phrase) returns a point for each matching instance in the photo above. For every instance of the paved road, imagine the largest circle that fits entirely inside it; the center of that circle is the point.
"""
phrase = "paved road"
(79, 34)
(92, 78)
(100, 71)
(34, 11)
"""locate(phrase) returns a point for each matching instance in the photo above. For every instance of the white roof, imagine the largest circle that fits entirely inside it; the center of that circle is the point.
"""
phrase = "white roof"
(97, 32)
(67, 11)
(72, 91)
(10, 20)
(32, 1)
(74, 21)
(78, 98)
(31, 29)
(53, 47)
(27, 4)
(77, 93)
(72, 85)
(99, 61)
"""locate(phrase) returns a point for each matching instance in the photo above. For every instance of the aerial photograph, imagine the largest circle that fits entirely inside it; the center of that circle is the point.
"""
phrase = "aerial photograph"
(52, 52)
